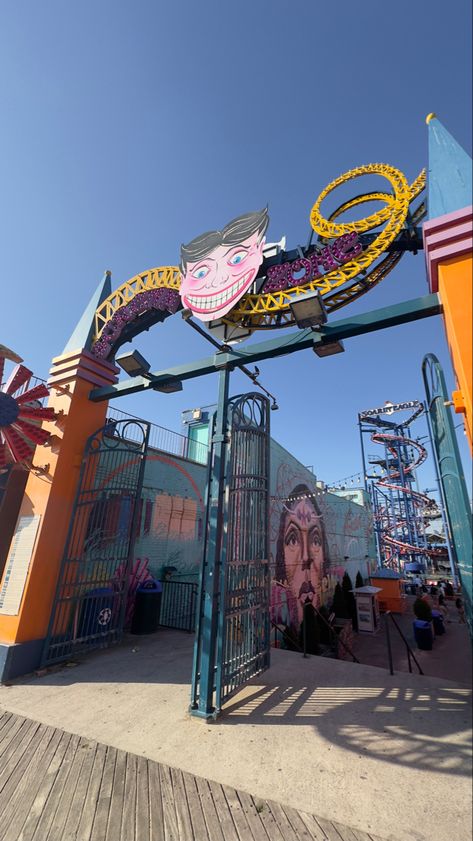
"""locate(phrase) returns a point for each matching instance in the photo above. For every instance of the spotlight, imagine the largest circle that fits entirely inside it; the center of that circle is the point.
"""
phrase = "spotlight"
(274, 406)
(133, 364)
(328, 349)
(309, 310)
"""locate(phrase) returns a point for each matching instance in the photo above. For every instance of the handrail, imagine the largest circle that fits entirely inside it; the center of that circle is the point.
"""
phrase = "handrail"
(284, 633)
(345, 646)
(410, 653)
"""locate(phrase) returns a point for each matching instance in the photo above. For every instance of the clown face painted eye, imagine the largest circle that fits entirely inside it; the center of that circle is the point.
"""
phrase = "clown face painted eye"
(237, 258)
(201, 272)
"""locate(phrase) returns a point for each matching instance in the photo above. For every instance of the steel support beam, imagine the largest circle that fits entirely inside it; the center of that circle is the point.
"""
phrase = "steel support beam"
(347, 328)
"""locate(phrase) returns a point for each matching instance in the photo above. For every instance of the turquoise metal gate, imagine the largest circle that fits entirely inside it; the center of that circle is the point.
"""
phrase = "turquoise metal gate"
(244, 632)
(449, 467)
(232, 639)
(90, 602)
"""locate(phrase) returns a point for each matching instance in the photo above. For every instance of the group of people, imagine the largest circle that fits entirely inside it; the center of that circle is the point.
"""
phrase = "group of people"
(436, 597)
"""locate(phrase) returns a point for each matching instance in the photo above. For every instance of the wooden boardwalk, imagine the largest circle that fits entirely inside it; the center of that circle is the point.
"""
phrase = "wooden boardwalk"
(55, 786)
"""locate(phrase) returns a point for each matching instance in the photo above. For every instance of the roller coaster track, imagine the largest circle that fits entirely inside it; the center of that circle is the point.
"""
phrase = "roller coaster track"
(338, 287)
(419, 499)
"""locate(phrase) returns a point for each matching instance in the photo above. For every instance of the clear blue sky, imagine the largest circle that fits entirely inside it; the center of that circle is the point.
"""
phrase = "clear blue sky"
(130, 127)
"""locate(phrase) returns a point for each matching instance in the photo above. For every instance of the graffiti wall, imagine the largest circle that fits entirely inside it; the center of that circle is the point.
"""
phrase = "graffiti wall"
(315, 537)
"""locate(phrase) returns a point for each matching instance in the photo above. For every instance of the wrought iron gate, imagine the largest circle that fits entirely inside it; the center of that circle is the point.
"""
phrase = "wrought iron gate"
(89, 606)
(244, 626)
(232, 636)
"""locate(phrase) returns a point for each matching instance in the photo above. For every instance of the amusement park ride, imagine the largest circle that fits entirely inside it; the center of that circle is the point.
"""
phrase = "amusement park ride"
(400, 510)
(236, 284)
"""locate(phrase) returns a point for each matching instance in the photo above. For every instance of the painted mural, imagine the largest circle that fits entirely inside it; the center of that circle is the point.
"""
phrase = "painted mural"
(170, 530)
(315, 537)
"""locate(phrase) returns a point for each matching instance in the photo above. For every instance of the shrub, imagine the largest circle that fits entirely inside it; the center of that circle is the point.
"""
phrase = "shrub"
(422, 610)
(359, 580)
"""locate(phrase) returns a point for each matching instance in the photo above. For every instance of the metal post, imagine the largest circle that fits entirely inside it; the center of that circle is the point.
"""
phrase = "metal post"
(203, 675)
(304, 631)
(388, 640)
(443, 506)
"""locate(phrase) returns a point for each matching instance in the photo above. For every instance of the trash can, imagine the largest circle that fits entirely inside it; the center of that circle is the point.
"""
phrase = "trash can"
(437, 619)
(423, 634)
(147, 607)
(96, 612)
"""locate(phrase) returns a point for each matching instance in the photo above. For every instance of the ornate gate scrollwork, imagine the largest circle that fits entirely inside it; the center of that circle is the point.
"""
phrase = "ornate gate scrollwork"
(89, 605)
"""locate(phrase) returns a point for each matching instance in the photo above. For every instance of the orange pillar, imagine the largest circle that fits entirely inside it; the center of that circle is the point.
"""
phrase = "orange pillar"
(448, 242)
(31, 570)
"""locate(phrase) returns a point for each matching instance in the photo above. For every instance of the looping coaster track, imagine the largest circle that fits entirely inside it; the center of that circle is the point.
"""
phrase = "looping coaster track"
(399, 510)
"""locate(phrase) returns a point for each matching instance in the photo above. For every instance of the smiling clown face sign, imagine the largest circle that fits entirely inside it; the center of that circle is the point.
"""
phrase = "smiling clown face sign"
(218, 267)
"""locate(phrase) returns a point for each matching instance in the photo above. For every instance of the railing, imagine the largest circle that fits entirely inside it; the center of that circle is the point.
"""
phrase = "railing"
(409, 651)
(166, 439)
(178, 605)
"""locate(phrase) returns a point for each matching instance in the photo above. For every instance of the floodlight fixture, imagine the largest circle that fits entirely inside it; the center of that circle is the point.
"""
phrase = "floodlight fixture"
(133, 363)
(309, 310)
(274, 406)
(169, 386)
(329, 349)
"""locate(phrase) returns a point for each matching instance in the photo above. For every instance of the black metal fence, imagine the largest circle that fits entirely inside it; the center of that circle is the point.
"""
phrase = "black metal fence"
(178, 605)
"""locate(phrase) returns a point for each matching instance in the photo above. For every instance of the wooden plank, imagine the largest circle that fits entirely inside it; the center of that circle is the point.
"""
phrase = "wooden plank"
(270, 825)
(47, 815)
(15, 816)
(345, 832)
(143, 818)
(14, 750)
(44, 791)
(197, 816)
(171, 832)
(116, 806)
(5, 720)
(13, 736)
(313, 827)
(182, 807)
(282, 821)
(104, 799)
(129, 800)
(89, 807)
(239, 819)
(360, 835)
(155, 802)
(255, 823)
(66, 795)
(88, 749)
(329, 829)
(298, 825)
(15, 769)
(208, 808)
(223, 812)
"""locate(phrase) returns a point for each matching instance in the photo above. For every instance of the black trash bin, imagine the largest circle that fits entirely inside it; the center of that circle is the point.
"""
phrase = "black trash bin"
(423, 634)
(147, 607)
(437, 619)
(96, 612)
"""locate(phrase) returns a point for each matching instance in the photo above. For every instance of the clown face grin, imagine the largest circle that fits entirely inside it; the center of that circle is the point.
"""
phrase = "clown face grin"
(211, 303)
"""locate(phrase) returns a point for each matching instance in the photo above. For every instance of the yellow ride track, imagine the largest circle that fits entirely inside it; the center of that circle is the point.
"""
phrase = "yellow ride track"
(263, 310)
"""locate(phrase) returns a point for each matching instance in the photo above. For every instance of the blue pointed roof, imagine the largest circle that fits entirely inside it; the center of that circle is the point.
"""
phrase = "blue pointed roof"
(83, 334)
(450, 172)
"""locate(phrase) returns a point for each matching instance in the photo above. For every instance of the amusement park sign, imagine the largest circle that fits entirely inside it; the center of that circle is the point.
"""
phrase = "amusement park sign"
(230, 277)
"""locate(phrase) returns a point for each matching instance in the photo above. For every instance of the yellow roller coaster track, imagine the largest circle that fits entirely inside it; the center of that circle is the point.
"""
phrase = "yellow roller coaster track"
(263, 310)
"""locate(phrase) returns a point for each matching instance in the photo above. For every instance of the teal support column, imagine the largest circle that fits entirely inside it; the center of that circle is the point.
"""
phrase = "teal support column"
(452, 480)
(205, 646)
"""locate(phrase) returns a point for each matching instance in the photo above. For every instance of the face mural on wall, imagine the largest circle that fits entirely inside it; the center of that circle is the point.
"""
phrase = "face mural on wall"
(301, 557)
(218, 267)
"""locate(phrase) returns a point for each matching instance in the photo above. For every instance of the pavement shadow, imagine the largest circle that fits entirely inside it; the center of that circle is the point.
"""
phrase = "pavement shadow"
(423, 727)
